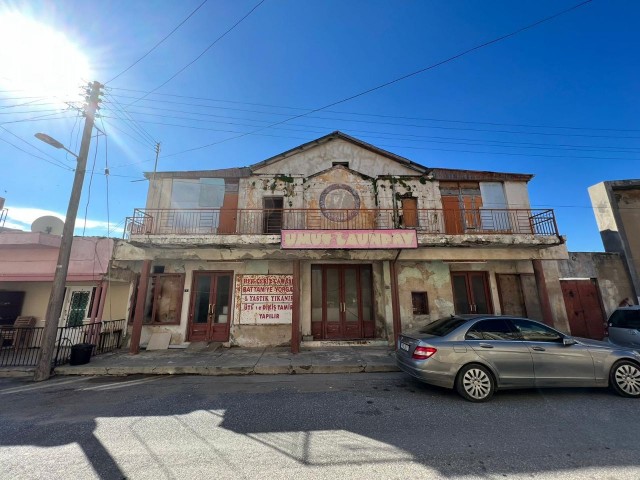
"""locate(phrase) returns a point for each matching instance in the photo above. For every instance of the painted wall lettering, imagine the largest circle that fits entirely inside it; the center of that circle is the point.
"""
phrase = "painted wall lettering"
(264, 299)
(352, 239)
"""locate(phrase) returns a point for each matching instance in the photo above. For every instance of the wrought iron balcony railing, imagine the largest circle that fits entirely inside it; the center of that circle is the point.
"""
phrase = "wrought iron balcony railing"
(483, 221)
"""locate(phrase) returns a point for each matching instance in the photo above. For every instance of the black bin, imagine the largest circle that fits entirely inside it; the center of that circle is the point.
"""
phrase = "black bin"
(81, 353)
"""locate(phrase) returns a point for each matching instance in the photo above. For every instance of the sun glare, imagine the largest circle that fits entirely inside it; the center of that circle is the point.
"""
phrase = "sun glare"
(39, 61)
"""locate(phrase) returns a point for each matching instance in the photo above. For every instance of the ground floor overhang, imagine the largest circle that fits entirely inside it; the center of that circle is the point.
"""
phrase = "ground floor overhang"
(247, 298)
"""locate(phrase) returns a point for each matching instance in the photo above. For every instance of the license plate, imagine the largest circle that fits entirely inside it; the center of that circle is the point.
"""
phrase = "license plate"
(404, 346)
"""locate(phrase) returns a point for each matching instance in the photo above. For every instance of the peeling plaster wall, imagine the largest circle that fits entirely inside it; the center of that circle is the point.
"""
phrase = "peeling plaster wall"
(607, 268)
(240, 335)
(320, 158)
(339, 175)
(260, 335)
(253, 190)
(426, 192)
(628, 202)
(556, 299)
(431, 277)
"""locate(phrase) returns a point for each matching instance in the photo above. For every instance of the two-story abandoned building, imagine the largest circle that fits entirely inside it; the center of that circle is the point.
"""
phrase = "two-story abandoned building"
(335, 240)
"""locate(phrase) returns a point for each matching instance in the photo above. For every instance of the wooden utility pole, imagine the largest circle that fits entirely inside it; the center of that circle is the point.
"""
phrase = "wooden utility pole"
(54, 307)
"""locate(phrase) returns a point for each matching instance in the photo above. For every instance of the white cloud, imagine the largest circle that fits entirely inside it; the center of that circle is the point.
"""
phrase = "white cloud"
(22, 218)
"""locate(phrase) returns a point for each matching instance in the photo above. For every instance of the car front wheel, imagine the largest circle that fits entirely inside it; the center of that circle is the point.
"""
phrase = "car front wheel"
(625, 379)
(475, 383)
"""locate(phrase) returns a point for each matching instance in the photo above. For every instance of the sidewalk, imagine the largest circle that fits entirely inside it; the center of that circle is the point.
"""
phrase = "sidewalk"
(217, 360)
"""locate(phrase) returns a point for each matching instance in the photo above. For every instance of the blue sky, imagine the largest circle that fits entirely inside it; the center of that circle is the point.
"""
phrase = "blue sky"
(559, 101)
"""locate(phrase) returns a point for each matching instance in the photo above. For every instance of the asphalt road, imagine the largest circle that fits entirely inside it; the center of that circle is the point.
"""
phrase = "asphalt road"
(308, 426)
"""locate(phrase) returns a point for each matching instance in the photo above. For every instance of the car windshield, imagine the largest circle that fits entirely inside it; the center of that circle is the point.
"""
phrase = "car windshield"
(443, 326)
(625, 319)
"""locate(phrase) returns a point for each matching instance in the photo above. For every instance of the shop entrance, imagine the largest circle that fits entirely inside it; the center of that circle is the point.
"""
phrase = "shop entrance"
(342, 302)
(471, 292)
(210, 309)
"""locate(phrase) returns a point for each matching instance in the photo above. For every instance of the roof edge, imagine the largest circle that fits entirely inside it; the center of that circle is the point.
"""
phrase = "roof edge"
(343, 136)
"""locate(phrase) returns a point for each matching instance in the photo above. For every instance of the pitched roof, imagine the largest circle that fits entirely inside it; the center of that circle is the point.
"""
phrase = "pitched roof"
(452, 174)
(241, 172)
(339, 135)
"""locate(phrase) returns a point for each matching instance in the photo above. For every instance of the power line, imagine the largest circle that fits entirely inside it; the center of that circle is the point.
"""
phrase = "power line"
(159, 43)
(404, 77)
(126, 133)
(307, 129)
(32, 145)
(340, 112)
(400, 146)
(106, 176)
(93, 168)
(130, 120)
(39, 117)
(201, 54)
(3, 107)
(37, 156)
(31, 111)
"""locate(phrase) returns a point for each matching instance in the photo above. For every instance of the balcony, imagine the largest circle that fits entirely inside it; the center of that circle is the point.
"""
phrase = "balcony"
(193, 222)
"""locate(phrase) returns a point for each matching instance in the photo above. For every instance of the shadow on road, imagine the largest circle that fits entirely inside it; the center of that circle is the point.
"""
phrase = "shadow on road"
(323, 421)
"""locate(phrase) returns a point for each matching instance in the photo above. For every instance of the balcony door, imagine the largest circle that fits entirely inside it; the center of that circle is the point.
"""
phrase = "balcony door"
(341, 302)
(210, 310)
(272, 220)
(461, 204)
(471, 292)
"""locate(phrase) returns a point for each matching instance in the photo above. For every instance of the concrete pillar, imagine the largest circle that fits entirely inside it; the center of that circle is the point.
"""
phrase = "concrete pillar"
(543, 294)
(305, 298)
(136, 332)
(385, 296)
(295, 315)
(395, 303)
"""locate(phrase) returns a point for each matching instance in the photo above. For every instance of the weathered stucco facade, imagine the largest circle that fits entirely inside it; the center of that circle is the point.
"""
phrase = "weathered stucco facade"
(616, 205)
(308, 244)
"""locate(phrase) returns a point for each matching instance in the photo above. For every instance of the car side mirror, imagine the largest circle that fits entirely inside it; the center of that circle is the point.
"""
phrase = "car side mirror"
(568, 341)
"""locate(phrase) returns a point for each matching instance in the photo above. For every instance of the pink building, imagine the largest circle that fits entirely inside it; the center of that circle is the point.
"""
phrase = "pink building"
(27, 266)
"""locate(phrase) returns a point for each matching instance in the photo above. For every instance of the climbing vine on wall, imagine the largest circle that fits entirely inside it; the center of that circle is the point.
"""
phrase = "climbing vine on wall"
(284, 183)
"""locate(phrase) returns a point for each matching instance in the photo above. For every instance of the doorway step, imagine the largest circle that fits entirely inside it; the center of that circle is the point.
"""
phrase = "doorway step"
(345, 343)
(203, 346)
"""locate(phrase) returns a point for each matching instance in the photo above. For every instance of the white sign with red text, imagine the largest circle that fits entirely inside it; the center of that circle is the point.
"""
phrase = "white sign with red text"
(265, 299)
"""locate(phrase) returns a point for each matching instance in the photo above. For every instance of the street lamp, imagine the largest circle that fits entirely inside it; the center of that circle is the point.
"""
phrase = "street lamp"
(53, 142)
(54, 307)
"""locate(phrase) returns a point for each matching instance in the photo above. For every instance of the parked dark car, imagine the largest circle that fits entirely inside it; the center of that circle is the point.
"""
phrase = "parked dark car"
(623, 327)
(479, 354)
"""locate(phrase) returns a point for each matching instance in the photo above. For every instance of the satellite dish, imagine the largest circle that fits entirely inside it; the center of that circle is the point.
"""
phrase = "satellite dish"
(48, 224)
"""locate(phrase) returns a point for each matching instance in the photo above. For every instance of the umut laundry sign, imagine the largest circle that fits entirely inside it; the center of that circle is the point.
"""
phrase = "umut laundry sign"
(349, 239)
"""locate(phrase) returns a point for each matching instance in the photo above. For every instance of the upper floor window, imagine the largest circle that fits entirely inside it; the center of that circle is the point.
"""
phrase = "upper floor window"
(197, 193)
(342, 164)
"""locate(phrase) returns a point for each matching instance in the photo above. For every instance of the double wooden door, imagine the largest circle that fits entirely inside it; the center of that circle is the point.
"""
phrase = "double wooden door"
(342, 302)
(584, 308)
(210, 310)
(471, 292)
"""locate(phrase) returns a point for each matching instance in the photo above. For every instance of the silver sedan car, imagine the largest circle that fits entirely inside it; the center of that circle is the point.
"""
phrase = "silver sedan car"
(479, 354)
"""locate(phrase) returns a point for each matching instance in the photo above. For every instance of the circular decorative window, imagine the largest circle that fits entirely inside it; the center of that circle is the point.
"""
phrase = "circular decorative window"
(339, 203)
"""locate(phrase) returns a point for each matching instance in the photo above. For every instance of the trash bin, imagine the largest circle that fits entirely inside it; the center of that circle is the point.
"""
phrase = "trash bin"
(81, 353)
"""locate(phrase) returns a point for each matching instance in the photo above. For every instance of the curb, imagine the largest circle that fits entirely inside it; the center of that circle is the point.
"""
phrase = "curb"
(16, 372)
(224, 371)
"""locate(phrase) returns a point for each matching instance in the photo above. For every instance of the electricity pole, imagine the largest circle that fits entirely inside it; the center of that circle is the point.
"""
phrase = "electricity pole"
(54, 307)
